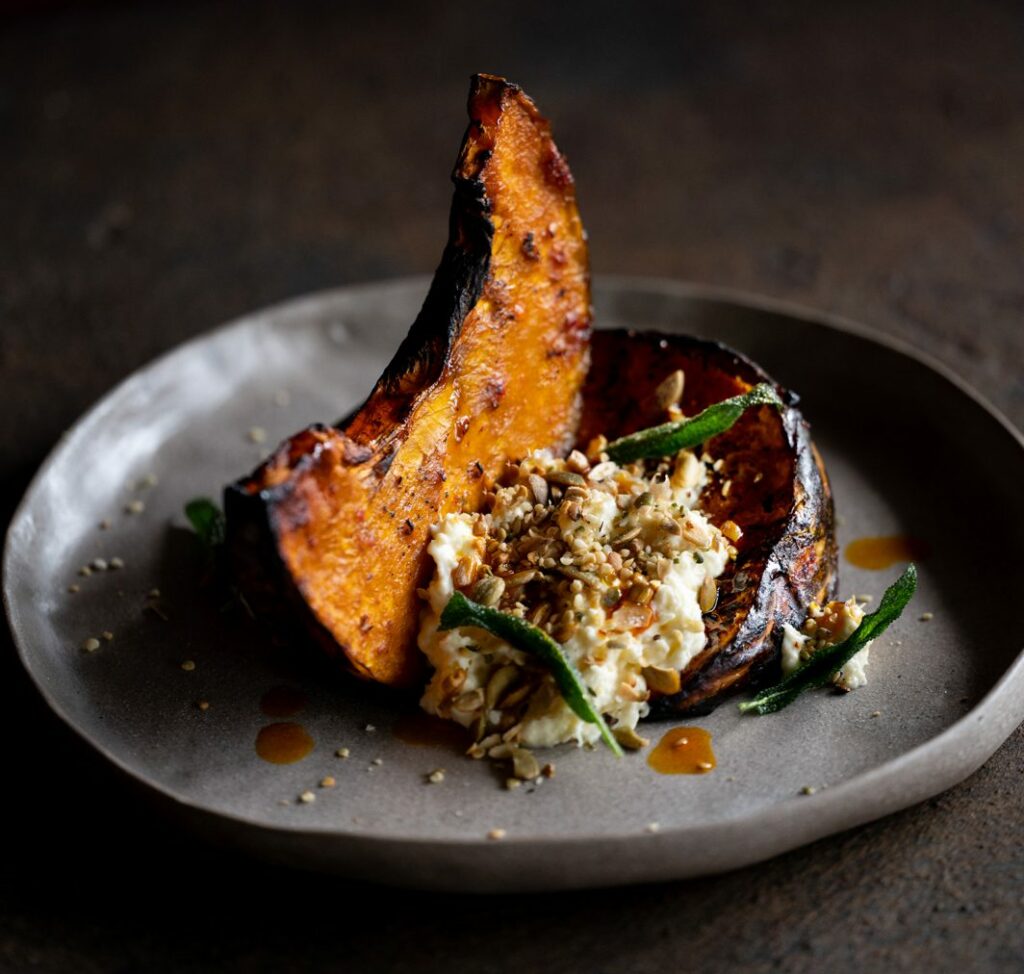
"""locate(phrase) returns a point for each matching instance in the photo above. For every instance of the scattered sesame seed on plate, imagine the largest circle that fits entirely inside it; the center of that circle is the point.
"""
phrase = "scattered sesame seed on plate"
(808, 790)
(436, 776)
(927, 616)
(257, 434)
(369, 728)
(496, 834)
(327, 782)
(188, 665)
(107, 635)
(875, 713)
(203, 705)
(85, 571)
(307, 797)
(116, 563)
(378, 761)
(99, 565)
(91, 644)
(342, 752)
(134, 507)
(74, 588)
(652, 827)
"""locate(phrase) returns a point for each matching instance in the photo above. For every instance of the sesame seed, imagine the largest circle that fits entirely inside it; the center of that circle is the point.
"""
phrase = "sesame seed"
(257, 434)
(369, 728)
(90, 645)
(378, 761)
(327, 782)
(203, 705)
(188, 666)
(875, 713)
(116, 563)
(436, 776)
(808, 790)
(342, 752)
(652, 827)
(134, 507)
(99, 564)
(74, 588)
(150, 480)
(496, 834)
(927, 616)
(107, 635)
(85, 571)
(307, 798)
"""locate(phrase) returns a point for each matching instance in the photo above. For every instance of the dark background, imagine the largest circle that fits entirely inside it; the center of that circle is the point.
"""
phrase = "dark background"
(165, 167)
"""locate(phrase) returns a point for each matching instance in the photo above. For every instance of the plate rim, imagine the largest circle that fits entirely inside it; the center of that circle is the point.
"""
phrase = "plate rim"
(956, 751)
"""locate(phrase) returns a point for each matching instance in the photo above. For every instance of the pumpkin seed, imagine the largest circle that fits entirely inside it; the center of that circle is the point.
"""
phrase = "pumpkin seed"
(489, 590)
(566, 478)
(662, 679)
(670, 390)
(498, 685)
(539, 488)
(708, 595)
(587, 578)
(521, 578)
(469, 701)
(524, 764)
(629, 738)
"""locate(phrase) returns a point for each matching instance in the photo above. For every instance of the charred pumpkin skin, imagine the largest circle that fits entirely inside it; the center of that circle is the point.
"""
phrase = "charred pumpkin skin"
(337, 520)
(777, 492)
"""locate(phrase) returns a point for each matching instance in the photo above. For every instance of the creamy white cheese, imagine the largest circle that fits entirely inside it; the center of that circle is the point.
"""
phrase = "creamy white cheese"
(826, 627)
(609, 649)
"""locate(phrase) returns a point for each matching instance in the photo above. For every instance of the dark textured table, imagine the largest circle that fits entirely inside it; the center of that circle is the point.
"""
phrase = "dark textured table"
(164, 168)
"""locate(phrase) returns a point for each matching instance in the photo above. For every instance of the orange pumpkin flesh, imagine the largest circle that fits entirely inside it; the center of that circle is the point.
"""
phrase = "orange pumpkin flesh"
(338, 520)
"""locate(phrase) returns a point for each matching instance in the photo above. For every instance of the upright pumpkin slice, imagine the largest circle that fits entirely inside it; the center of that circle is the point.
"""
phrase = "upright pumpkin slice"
(337, 520)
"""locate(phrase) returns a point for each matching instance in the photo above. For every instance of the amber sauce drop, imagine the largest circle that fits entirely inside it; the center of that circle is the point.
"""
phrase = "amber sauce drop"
(422, 730)
(283, 701)
(875, 554)
(283, 743)
(683, 750)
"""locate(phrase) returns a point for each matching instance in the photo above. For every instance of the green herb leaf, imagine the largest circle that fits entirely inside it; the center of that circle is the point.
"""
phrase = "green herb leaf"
(670, 438)
(825, 663)
(207, 520)
(461, 611)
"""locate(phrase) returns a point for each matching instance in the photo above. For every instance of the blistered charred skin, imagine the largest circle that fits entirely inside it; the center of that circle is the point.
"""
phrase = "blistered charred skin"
(771, 483)
(336, 523)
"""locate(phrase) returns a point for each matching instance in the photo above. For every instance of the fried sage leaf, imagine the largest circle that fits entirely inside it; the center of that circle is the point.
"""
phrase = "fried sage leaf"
(825, 663)
(670, 438)
(461, 611)
(207, 520)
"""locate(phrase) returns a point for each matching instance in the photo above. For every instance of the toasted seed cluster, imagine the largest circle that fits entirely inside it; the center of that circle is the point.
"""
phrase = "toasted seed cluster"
(569, 545)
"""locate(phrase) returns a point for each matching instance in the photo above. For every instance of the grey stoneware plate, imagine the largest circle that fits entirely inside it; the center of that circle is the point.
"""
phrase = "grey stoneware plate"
(911, 451)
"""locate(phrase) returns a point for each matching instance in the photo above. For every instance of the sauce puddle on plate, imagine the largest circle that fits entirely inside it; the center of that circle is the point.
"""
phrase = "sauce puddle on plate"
(683, 750)
(283, 743)
(424, 730)
(875, 554)
(283, 701)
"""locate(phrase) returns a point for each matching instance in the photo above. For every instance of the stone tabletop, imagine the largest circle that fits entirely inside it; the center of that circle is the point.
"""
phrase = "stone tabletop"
(166, 167)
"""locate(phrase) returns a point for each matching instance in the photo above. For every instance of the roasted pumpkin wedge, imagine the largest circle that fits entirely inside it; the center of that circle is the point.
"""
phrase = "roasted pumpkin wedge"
(770, 481)
(337, 520)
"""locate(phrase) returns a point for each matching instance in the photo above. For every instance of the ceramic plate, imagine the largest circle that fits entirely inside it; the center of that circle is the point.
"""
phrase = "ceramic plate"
(910, 451)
